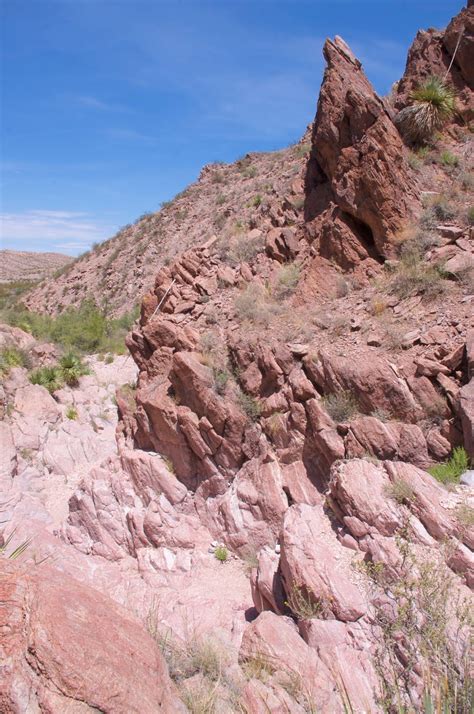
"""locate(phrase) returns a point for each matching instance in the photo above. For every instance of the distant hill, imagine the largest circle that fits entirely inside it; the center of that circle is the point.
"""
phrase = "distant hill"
(24, 265)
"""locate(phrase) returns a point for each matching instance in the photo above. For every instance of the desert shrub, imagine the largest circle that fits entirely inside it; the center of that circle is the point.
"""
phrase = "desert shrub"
(287, 281)
(470, 215)
(256, 201)
(249, 405)
(252, 304)
(250, 172)
(85, 329)
(259, 666)
(432, 105)
(221, 378)
(448, 159)
(242, 249)
(466, 180)
(71, 367)
(48, 377)
(304, 605)
(109, 359)
(302, 149)
(71, 413)
(433, 622)
(465, 515)
(440, 210)
(340, 406)
(221, 553)
(10, 293)
(401, 492)
(414, 275)
(13, 357)
(451, 471)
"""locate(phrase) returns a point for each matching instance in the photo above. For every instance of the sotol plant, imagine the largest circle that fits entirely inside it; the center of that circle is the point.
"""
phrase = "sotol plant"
(433, 103)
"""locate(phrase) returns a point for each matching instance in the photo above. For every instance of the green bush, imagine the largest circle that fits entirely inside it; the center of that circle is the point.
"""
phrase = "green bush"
(85, 329)
(71, 413)
(48, 377)
(450, 472)
(432, 106)
(449, 159)
(71, 367)
(221, 553)
(12, 357)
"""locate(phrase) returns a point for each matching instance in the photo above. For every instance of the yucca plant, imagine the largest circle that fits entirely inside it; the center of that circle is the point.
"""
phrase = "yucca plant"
(72, 367)
(48, 377)
(433, 103)
(16, 552)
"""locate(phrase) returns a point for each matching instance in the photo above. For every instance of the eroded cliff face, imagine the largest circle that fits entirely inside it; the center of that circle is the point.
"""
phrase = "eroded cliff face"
(295, 379)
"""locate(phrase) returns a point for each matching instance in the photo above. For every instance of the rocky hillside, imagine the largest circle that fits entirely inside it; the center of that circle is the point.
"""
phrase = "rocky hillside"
(287, 524)
(227, 201)
(28, 266)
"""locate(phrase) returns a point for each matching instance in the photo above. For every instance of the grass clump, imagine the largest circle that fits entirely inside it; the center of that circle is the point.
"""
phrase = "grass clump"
(470, 215)
(432, 105)
(221, 378)
(287, 281)
(401, 492)
(242, 249)
(252, 304)
(16, 552)
(427, 629)
(465, 515)
(12, 357)
(304, 605)
(221, 553)
(448, 159)
(340, 406)
(415, 276)
(451, 471)
(48, 377)
(71, 413)
(250, 406)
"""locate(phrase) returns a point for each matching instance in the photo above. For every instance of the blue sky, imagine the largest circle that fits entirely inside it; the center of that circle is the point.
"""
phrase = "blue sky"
(110, 107)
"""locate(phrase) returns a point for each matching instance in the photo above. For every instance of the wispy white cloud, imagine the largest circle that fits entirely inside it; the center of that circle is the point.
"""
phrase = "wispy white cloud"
(64, 231)
(92, 102)
(130, 135)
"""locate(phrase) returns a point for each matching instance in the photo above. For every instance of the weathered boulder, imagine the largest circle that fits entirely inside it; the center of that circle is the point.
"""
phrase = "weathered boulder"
(313, 564)
(66, 647)
(275, 640)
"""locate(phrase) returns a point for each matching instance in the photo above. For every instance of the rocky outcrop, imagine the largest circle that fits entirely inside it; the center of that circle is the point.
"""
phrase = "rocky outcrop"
(432, 53)
(359, 187)
(67, 647)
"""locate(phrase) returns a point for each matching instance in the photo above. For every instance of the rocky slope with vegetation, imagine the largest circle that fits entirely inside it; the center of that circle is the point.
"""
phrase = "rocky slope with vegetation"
(287, 523)
(29, 266)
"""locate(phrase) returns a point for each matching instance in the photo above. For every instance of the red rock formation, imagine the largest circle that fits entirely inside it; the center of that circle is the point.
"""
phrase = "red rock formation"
(359, 188)
(432, 53)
